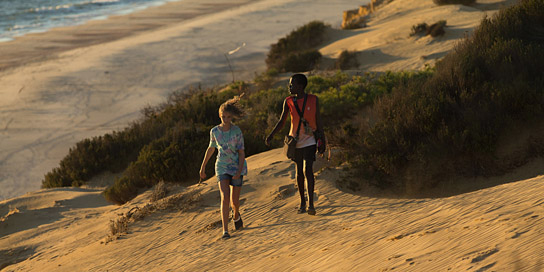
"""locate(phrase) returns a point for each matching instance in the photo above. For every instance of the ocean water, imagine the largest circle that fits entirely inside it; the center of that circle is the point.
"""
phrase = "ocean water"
(20, 17)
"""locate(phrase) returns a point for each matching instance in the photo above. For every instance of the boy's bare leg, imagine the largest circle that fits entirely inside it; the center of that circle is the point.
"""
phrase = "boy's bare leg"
(300, 182)
(309, 173)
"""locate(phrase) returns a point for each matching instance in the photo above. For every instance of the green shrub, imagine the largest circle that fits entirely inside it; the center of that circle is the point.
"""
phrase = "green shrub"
(263, 111)
(265, 79)
(122, 191)
(347, 60)
(301, 61)
(299, 45)
(110, 152)
(435, 30)
(419, 29)
(318, 84)
(451, 122)
(165, 159)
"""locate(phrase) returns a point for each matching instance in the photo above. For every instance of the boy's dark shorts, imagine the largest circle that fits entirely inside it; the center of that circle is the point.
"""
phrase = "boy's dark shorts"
(305, 153)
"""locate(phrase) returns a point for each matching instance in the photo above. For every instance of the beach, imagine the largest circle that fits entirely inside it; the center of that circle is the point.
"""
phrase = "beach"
(72, 83)
(54, 102)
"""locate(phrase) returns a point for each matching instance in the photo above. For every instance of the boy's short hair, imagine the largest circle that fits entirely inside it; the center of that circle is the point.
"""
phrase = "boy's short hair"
(300, 79)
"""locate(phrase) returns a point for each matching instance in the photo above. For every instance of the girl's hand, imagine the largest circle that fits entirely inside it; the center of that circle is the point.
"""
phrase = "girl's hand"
(202, 174)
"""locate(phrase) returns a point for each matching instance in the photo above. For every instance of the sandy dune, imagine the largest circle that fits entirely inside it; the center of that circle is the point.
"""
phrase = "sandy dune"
(494, 229)
(67, 229)
(386, 44)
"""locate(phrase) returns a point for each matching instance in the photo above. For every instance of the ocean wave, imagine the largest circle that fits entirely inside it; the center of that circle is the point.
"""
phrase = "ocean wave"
(79, 6)
(20, 27)
(18, 18)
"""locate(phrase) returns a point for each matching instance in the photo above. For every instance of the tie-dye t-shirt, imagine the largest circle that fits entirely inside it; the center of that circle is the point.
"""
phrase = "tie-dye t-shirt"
(227, 143)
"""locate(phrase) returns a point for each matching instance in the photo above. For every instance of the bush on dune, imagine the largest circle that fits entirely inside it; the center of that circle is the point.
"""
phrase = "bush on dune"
(296, 52)
(347, 60)
(435, 30)
(165, 159)
(489, 82)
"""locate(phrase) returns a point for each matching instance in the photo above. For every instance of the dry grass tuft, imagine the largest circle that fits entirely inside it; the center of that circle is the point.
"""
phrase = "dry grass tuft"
(178, 202)
(159, 192)
(423, 29)
(356, 18)
(119, 226)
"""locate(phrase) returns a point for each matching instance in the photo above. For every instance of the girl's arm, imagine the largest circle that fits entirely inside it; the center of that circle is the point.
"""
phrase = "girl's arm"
(209, 153)
(241, 158)
(280, 123)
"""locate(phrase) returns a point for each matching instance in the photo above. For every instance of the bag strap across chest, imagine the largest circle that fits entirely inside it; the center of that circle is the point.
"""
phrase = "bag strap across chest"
(300, 113)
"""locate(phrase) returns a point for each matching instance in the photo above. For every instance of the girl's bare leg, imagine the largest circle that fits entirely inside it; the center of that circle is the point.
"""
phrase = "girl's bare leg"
(236, 200)
(224, 187)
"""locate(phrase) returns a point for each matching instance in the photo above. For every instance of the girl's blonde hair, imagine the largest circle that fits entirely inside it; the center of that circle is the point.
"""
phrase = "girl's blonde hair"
(233, 106)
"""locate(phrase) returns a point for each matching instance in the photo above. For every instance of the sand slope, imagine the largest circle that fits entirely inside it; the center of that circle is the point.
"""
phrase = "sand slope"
(386, 44)
(495, 229)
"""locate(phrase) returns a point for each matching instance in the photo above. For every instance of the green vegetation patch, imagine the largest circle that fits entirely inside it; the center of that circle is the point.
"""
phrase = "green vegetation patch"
(171, 135)
(296, 52)
(430, 128)
(423, 29)
(347, 60)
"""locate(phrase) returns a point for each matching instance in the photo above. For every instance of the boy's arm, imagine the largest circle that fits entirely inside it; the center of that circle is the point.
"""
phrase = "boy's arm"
(280, 123)
(318, 120)
(322, 142)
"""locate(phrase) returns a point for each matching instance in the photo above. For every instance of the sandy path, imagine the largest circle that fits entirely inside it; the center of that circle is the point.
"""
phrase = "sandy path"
(495, 229)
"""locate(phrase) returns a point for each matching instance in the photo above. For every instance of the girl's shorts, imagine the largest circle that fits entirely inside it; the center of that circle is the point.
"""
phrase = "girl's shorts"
(233, 182)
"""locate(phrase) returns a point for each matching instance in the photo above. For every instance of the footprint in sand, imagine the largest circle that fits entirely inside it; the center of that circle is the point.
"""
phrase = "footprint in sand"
(285, 191)
(483, 255)
(211, 226)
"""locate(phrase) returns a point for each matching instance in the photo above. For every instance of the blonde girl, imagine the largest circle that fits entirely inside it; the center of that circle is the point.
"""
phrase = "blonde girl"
(230, 165)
